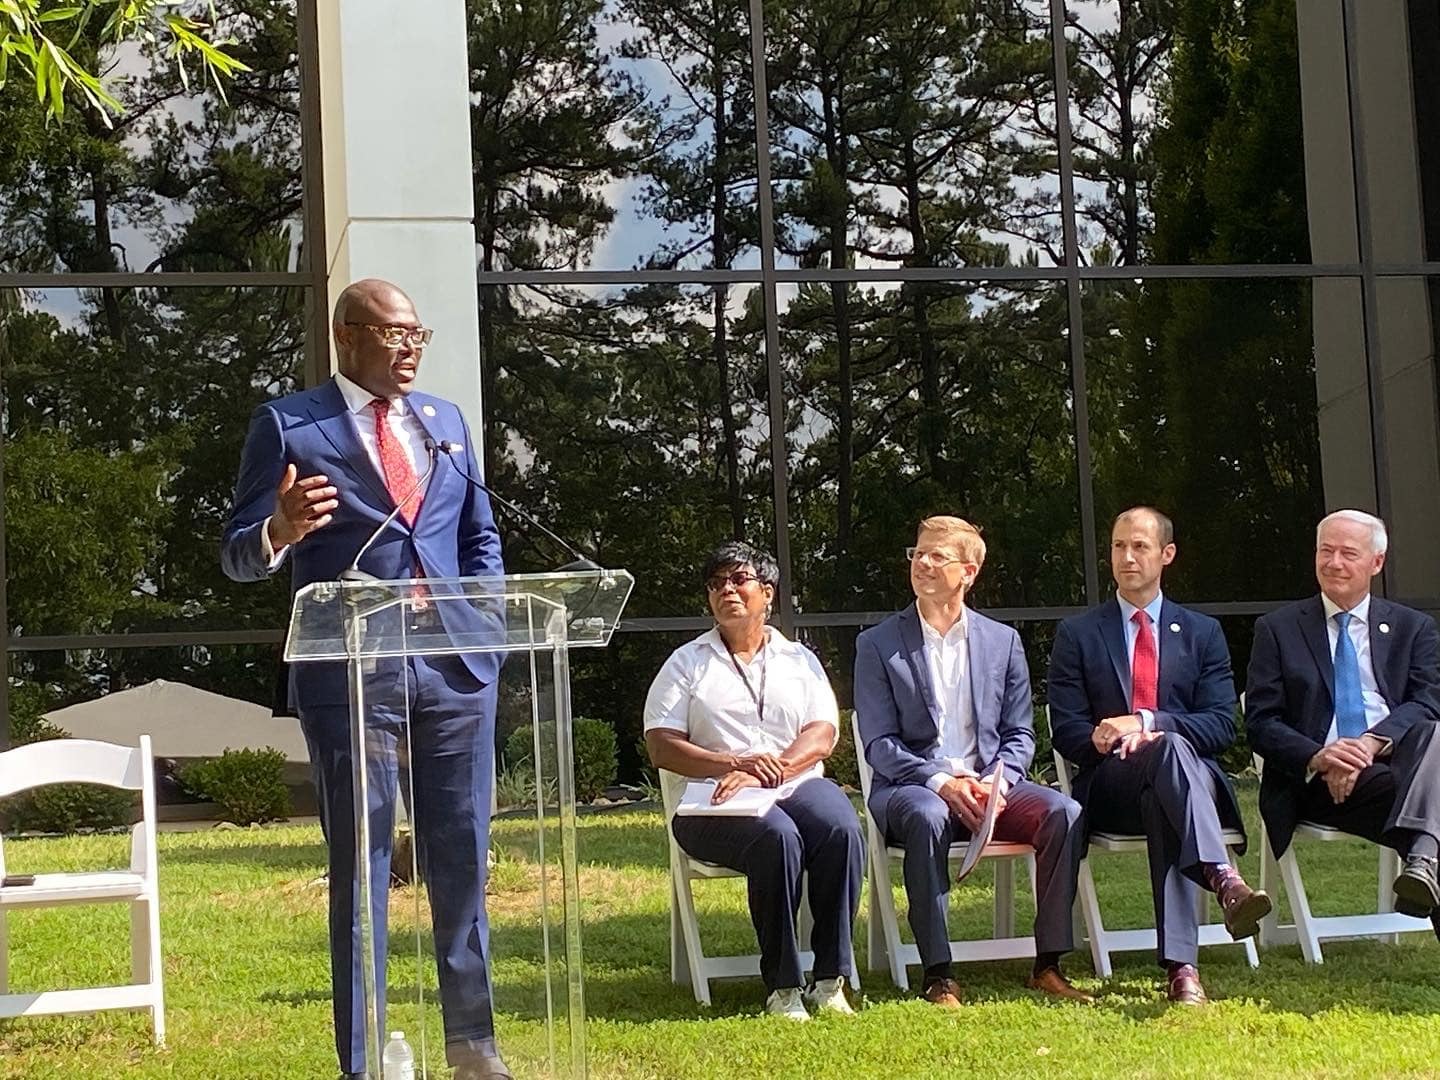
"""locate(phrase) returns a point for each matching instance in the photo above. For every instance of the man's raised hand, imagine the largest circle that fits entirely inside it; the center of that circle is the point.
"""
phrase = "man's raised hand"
(301, 507)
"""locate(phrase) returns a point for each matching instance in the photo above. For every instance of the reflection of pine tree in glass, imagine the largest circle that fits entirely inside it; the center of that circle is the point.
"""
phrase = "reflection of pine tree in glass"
(1203, 399)
(125, 409)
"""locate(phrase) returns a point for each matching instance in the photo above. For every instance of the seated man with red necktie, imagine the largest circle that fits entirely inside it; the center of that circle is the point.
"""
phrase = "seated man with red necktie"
(1142, 702)
(1342, 704)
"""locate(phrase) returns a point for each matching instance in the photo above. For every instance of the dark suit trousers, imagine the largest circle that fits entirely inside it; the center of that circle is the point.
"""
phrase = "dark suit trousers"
(1392, 800)
(1167, 792)
(921, 823)
(814, 831)
(451, 749)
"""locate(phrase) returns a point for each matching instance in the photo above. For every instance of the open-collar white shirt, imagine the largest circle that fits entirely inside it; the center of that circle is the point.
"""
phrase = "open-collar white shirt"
(701, 693)
(947, 663)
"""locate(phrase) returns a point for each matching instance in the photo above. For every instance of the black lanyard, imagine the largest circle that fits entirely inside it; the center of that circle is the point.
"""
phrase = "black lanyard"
(758, 699)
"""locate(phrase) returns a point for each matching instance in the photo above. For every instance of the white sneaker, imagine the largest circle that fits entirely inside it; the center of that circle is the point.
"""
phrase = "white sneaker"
(828, 995)
(787, 1003)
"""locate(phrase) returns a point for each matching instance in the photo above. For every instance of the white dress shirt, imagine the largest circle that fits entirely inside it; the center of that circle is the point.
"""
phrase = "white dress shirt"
(699, 693)
(947, 661)
(1359, 628)
(1132, 633)
(402, 423)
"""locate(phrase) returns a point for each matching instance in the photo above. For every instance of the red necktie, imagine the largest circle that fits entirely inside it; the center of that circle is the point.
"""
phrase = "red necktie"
(1145, 667)
(399, 473)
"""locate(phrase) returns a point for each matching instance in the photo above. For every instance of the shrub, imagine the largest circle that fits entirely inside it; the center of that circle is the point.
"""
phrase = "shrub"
(247, 785)
(595, 751)
(842, 765)
(60, 808)
(65, 808)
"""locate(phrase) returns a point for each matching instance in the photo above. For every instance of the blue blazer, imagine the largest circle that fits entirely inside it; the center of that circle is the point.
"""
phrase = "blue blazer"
(454, 534)
(1290, 693)
(1090, 681)
(898, 716)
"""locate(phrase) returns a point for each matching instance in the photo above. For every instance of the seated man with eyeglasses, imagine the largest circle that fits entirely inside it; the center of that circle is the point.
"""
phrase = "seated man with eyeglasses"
(942, 695)
(748, 708)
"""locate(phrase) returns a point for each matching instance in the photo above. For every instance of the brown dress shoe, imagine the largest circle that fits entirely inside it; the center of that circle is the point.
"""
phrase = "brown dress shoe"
(1185, 988)
(1051, 982)
(944, 992)
(1244, 907)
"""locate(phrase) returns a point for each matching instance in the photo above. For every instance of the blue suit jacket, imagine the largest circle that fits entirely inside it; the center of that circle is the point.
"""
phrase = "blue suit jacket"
(1290, 693)
(1195, 697)
(897, 711)
(454, 534)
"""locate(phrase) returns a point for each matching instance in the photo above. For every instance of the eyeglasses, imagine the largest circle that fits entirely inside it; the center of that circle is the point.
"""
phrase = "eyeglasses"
(394, 336)
(738, 578)
(933, 559)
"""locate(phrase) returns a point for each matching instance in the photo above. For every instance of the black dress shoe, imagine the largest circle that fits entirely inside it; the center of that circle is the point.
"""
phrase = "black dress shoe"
(483, 1068)
(1417, 889)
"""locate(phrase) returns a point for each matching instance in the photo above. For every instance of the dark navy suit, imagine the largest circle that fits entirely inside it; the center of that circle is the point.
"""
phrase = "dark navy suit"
(452, 699)
(1173, 790)
(895, 706)
(1290, 703)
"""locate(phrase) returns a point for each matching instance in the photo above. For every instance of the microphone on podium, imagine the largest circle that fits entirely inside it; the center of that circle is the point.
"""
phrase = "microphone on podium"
(580, 562)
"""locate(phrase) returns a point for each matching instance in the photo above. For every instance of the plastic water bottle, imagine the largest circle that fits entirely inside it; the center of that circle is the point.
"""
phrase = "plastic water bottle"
(399, 1060)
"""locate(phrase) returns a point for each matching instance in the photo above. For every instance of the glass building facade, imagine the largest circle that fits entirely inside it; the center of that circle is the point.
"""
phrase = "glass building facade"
(798, 271)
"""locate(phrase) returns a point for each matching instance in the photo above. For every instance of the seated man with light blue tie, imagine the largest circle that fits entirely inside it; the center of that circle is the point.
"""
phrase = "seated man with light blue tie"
(1342, 702)
(1142, 703)
(942, 697)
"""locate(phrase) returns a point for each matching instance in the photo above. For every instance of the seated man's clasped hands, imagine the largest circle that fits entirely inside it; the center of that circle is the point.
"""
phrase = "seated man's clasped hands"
(745, 707)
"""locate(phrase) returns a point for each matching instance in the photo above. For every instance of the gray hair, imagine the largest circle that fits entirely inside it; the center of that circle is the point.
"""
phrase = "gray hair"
(1379, 538)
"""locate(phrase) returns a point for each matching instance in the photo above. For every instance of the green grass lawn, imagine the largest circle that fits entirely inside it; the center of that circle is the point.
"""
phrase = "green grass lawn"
(243, 926)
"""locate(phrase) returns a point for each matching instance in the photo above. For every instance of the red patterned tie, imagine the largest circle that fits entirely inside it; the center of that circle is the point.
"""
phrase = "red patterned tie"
(1145, 668)
(399, 473)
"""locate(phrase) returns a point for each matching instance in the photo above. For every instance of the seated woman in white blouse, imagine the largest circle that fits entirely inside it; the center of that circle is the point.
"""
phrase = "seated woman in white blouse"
(747, 707)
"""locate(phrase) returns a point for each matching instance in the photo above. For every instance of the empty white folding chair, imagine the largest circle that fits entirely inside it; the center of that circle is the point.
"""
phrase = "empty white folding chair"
(1103, 942)
(73, 761)
(883, 938)
(688, 962)
(1310, 929)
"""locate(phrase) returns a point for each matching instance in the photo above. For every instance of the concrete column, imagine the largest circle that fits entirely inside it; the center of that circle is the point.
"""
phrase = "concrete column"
(1403, 317)
(399, 202)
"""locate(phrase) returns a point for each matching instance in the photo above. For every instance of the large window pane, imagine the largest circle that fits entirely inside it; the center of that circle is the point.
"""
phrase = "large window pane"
(613, 134)
(1240, 408)
(917, 399)
(1189, 144)
(1396, 45)
(183, 180)
(124, 414)
(635, 421)
(1406, 313)
(913, 134)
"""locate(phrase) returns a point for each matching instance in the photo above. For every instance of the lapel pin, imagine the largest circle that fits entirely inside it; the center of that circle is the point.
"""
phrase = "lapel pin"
(1174, 628)
(1384, 628)
(428, 410)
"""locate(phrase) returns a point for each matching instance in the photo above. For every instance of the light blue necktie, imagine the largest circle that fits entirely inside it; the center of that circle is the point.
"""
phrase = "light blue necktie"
(1349, 705)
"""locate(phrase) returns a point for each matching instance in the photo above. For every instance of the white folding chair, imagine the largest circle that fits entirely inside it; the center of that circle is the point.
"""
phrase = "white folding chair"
(1309, 929)
(883, 938)
(688, 962)
(1103, 942)
(70, 761)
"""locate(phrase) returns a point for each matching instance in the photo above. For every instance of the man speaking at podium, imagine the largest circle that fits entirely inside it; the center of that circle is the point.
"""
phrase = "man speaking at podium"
(322, 471)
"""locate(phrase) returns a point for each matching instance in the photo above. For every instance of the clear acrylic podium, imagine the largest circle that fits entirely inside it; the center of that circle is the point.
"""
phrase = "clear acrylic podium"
(375, 627)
